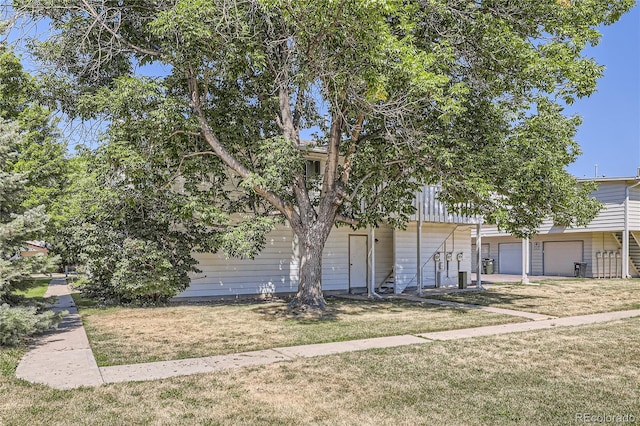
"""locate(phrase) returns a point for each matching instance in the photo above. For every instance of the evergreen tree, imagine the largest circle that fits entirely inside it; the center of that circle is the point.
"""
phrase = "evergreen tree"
(32, 170)
(17, 225)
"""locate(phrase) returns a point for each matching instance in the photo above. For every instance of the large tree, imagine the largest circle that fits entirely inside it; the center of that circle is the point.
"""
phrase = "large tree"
(31, 166)
(467, 94)
(40, 155)
(18, 318)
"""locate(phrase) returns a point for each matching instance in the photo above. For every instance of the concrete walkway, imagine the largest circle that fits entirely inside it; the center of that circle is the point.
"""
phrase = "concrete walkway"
(63, 359)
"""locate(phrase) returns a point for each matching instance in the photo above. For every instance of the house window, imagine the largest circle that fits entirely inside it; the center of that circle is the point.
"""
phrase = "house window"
(312, 169)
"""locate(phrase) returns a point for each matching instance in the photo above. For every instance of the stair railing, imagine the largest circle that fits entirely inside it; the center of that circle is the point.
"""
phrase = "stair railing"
(429, 259)
(389, 275)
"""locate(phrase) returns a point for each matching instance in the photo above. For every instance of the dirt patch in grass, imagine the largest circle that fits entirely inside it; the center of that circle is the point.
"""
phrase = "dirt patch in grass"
(134, 335)
(558, 297)
(542, 377)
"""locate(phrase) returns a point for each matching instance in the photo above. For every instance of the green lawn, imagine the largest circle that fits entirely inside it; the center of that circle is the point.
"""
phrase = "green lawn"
(536, 378)
(37, 289)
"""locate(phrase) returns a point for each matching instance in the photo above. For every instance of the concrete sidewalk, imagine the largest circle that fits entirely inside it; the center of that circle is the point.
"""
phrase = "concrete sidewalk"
(165, 369)
(492, 330)
(63, 359)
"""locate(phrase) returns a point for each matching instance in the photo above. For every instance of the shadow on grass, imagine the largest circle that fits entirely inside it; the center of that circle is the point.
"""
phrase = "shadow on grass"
(337, 308)
(277, 309)
(84, 302)
(35, 289)
(497, 299)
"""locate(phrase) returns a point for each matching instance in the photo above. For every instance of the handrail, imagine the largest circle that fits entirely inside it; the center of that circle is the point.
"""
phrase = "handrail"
(432, 254)
(385, 279)
(633, 263)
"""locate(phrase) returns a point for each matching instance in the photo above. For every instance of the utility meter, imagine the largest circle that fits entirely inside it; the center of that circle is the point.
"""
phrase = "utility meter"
(459, 257)
(598, 254)
(449, 256)
(436, 257)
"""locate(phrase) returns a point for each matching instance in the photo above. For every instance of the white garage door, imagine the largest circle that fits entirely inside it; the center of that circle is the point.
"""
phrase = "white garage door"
(559, 257)
(510, 258)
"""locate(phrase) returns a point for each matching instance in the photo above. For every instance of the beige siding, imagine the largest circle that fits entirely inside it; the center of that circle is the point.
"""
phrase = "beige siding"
(537, 247)
(610, 218)
(612, 194)
(335, 258)
(605, 242)
(494, 247)
(270, 272)
(435, 238)
(275, 269)
(383, 252)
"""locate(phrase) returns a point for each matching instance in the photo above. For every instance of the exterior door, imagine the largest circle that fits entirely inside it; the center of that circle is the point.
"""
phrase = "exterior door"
(357, 262)
(510, 258)
(559, 257)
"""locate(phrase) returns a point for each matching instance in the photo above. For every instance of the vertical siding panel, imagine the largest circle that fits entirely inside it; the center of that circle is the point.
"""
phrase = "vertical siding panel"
(384, 252)
(405, 246)
(435, 237)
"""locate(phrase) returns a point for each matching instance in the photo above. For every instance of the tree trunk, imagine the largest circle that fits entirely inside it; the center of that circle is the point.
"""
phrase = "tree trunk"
(309, 295)
(314, 226)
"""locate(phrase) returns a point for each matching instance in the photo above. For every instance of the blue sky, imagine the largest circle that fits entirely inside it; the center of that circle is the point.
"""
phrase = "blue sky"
(610, 132)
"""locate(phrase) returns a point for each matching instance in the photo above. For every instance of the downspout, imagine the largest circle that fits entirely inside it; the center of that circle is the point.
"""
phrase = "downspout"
(372, 264)
(419, 245)
(625, 234)
(479, 255)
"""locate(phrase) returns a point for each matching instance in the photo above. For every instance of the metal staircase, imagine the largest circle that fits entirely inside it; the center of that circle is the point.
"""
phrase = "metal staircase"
(634, 249)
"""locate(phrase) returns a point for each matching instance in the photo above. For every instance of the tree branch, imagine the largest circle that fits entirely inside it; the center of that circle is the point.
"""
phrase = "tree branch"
(355, 134)
(231, 162)
(361, 182)
(329, 179)
(98, 20)
(322, 35)
(193, 154)
(348, 220)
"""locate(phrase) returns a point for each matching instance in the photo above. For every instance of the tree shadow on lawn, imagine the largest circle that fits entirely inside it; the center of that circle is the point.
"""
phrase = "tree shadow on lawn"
(337, 308)
(498, 299)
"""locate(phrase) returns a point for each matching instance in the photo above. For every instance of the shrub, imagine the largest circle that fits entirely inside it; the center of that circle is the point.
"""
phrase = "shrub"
(145, 273)
(135, 271)
(19, 322)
